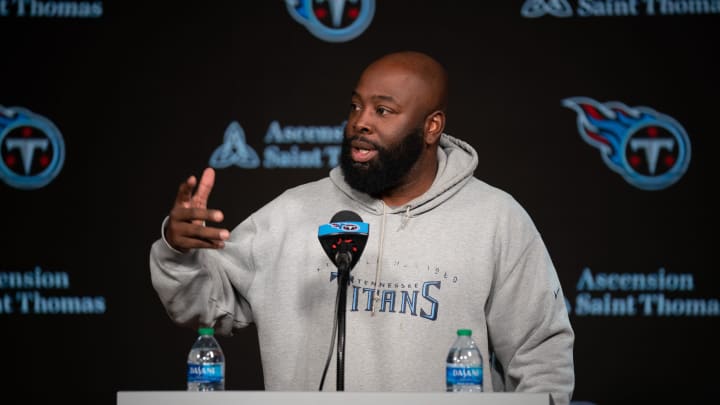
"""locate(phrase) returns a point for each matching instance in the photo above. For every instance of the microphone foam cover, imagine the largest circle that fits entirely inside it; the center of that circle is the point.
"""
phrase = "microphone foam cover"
(346, 216)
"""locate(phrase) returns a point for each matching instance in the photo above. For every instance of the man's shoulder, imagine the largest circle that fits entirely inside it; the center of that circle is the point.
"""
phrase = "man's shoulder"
(304, 195)
(299, 204)
(307, 189)
(487, 191)
(487, 197)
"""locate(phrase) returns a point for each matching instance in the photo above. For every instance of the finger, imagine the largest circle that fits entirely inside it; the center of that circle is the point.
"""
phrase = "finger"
(183, 214)
(207, 233)
(182, 235)
(185, 244)
(207, 181)
(190, 229)
(209, 215)
(184, 195)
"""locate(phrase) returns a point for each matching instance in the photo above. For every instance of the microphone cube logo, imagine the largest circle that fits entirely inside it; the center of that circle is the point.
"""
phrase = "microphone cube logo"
(345, 227)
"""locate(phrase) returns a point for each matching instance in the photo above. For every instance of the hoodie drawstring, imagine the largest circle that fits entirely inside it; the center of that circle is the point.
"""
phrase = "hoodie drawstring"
(405, 219)
(378, 265)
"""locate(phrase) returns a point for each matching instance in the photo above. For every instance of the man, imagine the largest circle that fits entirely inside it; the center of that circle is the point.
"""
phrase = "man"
(445, 251)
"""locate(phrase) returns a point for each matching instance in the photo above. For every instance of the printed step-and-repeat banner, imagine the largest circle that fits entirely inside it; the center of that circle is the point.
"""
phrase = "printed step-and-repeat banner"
(598, 116)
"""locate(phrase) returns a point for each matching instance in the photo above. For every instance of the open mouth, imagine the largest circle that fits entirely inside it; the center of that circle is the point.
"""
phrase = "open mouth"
(362, 152)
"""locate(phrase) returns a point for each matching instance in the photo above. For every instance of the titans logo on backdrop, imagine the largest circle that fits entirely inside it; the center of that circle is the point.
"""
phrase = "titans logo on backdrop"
(31, 147)
(650, 150)
(333, 20)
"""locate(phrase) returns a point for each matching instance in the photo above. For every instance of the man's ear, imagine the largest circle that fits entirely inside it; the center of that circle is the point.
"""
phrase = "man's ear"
(434, 126)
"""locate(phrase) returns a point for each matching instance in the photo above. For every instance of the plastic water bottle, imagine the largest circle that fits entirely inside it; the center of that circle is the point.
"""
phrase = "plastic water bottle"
(206, 363)
(464, 365)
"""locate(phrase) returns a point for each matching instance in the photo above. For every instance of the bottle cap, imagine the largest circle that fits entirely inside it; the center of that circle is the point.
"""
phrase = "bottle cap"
(206, 331)
(464, 332)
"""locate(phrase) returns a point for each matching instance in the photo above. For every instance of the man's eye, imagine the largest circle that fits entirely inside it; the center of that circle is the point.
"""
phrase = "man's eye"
(382, 110)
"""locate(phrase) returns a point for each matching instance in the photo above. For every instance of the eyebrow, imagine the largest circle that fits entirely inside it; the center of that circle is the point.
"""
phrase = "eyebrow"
(377, 97)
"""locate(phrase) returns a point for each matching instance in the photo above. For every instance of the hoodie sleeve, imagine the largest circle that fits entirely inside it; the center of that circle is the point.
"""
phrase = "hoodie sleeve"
(528, 322)
(206, 286)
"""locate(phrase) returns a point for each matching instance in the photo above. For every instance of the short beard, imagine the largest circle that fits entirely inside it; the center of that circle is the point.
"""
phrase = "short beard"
(387, 170)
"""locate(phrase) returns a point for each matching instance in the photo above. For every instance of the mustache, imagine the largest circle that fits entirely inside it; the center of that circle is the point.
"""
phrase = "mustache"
(361, 138)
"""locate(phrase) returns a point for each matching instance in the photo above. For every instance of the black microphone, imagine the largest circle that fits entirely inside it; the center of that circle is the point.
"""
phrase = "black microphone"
(344, 239)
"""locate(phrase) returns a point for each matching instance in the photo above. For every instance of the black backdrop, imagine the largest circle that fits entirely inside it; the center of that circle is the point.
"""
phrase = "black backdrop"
(143, 92)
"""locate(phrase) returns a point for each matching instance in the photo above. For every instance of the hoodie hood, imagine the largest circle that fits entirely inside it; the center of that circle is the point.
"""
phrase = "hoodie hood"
(457, 161)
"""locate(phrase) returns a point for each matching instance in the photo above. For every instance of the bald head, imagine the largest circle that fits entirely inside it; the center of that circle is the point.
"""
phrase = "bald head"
(430, 76)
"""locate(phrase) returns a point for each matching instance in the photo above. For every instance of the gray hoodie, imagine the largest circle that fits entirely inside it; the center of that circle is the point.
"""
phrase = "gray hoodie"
(462, 255)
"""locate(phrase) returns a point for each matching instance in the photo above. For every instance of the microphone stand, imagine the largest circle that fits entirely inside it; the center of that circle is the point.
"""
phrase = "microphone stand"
(343, 273)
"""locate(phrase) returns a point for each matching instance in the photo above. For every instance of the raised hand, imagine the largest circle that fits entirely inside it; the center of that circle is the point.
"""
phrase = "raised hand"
(186, 228)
